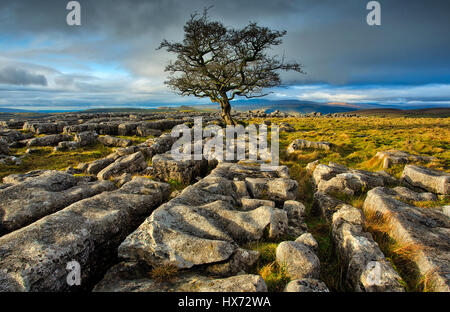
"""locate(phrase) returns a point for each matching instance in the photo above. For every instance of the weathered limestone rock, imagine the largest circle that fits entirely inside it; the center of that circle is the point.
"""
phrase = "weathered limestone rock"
(12, 124)
(97, 165)
(66, 145)
(35, 197)
(124, 178)
(308, 240)
(34, 258)
(278, 189)
(240, 262)
(210, 232)
(365, 264)
(128, 128)
(144, 131)
(4, 147)
(252, 203)
(48, 140)
(114, 141)
(86, 138)
(130, 164)
(394, 157)
(285, 127)
(311, 166)
(299, 144)
(299, 259)
(326, 172)
(241, 189)
(10, 160)
(17, 178)
(405, 194)
(166, 168)
(426, 228)
(295, 212)
(12, 137)
(161, 144)
(431, 180)
(128, 276)
(204, 218)
(44, 127)
(338, 179)
(446, 210)
(326, 205)
(306, 285)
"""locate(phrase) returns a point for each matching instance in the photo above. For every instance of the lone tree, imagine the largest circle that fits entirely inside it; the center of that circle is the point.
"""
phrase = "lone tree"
(221, 63)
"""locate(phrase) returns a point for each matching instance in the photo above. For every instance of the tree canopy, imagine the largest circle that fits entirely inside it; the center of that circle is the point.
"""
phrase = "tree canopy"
(221, 63)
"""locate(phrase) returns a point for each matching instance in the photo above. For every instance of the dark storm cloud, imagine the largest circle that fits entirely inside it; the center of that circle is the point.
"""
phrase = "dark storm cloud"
(18, 76)
(112, 58)
(331, 38)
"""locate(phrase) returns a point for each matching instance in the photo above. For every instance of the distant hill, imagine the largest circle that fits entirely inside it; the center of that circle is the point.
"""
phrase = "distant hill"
(389, 112)
(291, 106)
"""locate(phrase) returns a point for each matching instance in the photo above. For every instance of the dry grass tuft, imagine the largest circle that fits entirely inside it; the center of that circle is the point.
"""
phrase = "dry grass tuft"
(275, 276)
(164, 273)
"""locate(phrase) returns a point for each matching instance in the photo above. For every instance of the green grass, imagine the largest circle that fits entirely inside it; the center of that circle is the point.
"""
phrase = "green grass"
(357, 140)
(274, 275)
(46, 158)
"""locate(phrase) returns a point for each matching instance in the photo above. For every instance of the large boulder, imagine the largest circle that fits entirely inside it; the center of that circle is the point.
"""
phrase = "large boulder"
(365, 265)
(37, 196)
(299, 259)
(395, 157)
(185, 236)
(427, 229)
(200, 231)
(431, 180)
(334, 178)
(35, 257)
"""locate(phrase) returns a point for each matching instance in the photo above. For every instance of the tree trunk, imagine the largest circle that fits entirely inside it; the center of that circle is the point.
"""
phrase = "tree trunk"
(226, 110)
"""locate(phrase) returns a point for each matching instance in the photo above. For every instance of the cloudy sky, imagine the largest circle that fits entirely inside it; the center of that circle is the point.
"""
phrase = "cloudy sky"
(111, 59)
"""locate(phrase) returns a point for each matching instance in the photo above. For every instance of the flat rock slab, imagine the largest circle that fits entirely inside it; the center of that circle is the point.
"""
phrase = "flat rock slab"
(306, 285)
(114, 141)
(431, 180)
(129, 277)
(426, 228)
(395, 157)
(203, 225)
(37, 196)
(126, 164)
(299, 145)
(49, 140)
(335, 178)
(364, 263)
(35, 257)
